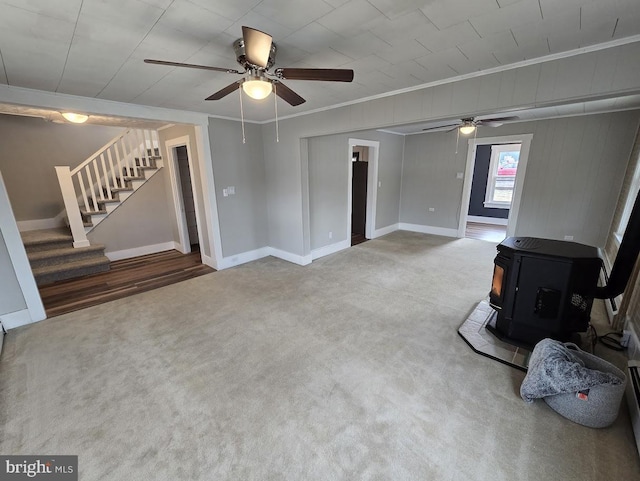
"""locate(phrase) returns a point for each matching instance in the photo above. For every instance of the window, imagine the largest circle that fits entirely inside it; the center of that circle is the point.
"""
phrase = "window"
(502, 175)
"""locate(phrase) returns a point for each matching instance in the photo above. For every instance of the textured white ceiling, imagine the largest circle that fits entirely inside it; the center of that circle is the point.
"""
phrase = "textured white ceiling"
(95, 48)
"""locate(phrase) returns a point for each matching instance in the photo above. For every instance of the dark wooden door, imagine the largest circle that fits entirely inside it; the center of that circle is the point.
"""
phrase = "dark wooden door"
(359, 197)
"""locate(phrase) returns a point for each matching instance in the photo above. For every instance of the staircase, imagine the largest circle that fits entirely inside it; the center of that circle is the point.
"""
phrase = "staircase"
(91, 192)
(53, 257)
(101, 183)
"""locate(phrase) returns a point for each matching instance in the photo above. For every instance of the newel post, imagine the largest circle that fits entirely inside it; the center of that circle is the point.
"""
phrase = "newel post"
(71, 206)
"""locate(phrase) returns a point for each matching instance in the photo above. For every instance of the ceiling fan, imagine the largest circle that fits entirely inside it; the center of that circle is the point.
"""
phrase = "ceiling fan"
(256, 53)
(468, 125)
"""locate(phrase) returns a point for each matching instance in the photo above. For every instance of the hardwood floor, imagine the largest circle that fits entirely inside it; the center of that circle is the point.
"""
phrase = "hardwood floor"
(126, 277)
(488, 232)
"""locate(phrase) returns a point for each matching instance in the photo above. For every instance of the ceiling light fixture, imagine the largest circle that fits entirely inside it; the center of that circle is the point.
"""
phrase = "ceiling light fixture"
(467, 128)
(257, 88)
(75, 118)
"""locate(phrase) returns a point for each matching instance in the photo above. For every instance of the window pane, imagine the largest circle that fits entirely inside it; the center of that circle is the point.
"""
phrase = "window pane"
(508, 163)
(502, 195)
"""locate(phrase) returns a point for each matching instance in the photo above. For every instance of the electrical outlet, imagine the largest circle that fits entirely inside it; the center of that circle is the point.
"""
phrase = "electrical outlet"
(568, 237)
(232, 190)
(330, 235)
(432, 209)
(460, 175)
(225, 192)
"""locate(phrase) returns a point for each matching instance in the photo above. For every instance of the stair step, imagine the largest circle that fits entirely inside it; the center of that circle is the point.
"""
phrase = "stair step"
(64, 255)
(45, 239)
(48, 274)
(96, 212)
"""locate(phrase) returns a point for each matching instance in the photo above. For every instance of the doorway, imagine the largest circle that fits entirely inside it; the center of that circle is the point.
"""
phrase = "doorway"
(181, 172)
(363, 183)
(359, 181)
(495, 171)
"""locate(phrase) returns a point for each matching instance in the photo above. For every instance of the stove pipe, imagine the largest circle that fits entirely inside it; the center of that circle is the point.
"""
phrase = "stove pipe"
(626, 257)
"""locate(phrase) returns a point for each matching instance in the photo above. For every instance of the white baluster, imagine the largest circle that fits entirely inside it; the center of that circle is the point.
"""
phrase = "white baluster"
(83, 189)
(94, 201)
(105, 177)
(98, 179)
(112, 169)
(119, 161)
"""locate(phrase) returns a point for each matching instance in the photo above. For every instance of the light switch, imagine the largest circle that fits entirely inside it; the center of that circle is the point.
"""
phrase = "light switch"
(460, 175)
(232, 190)
(225, 192)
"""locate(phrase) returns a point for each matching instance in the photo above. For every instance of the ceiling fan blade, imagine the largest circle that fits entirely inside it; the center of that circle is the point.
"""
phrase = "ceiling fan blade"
(495, 121)
(257, 46)
(286, 94)
(323, 74)
(226, 91)
(190, 65)
(445, 128)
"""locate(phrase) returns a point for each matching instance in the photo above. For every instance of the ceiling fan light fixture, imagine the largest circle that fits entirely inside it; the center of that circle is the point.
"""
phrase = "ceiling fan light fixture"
(467, 129)
(257, 88)
(75, 118)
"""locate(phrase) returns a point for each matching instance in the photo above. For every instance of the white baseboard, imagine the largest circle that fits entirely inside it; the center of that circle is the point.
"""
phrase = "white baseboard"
(427, 229)
(330, 249)
(487, 220)
(385, 230)
(208, 261)
(140, 251)
(243, 258)
(37, 224)
(289, 257)
(16, 319)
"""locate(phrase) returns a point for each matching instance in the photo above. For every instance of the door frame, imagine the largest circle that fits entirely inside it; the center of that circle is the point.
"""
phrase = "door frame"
(372, 186)
(525, 141)
(184, 245)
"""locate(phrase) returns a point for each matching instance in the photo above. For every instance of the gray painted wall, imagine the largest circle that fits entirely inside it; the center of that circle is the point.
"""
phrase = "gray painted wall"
(242, 216)
(32, 145)
(605, 73)
(11, 298)
(143, 219)
(574, 174)
(328, 185)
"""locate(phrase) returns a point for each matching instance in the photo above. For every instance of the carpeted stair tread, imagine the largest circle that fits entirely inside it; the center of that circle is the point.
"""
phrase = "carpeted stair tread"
(81, 267)
(45, 239)
(64, 255)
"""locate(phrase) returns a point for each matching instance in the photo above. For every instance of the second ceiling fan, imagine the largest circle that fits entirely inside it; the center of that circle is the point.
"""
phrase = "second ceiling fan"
(256, 53)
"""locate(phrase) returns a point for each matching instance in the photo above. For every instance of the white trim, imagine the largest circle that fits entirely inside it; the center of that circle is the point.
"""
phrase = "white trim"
(208, 186)
(184, 245)
(16, 319)
(243, 258)
(525, 140)
(330, 249)
(141, 251)
(18, 256)
(611, 313)
(372, 184)
(289, 257)
(37, 224)
(385, 230)
(487, 220)
(427, 229)
(480, 73)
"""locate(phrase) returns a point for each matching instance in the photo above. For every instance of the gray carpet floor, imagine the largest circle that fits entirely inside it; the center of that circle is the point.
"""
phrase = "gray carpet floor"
(347, 369)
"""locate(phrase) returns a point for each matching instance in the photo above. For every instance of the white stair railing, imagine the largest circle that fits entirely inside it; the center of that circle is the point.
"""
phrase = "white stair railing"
(91, 182)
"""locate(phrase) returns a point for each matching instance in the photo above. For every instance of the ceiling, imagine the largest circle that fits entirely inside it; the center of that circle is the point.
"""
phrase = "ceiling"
(95, 48)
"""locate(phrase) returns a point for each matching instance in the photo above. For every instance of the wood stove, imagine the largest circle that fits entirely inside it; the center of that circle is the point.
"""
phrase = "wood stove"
(545, 288)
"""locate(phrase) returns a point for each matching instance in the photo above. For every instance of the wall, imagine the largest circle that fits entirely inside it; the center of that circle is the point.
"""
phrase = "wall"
(243, 215)
(575, 170)
(604, 73)
(32, 145)
(328, 185)
(142, 220)
(11, 298)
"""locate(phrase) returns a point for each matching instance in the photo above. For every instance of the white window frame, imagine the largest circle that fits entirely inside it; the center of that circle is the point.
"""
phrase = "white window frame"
(496, 150)
(634, 188)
